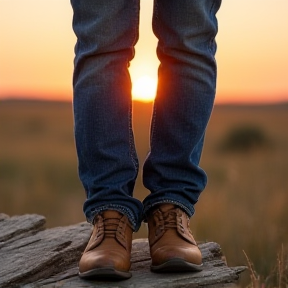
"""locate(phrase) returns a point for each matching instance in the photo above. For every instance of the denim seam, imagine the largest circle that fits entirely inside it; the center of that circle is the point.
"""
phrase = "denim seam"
(212, 39)
(153, 121)
(212, 42)
(136, 27)
(132, 150)
(153, 126)
(155, 16)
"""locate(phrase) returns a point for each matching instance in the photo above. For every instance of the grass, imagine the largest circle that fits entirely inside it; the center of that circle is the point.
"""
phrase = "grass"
(278, 277)
(244, 206)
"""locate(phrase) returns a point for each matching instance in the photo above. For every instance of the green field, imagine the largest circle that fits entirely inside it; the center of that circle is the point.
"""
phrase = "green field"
(244, 207)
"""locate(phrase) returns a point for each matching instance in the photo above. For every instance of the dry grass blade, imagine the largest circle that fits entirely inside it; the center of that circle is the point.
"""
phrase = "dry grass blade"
(255, 278)
(277, 279)
(282, 268)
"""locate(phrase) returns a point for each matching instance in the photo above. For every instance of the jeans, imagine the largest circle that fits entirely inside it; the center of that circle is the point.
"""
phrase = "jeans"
(107, 31)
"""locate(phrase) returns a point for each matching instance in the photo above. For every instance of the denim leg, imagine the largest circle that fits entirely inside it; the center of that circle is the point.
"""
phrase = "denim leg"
(186, 48)
(106, 34)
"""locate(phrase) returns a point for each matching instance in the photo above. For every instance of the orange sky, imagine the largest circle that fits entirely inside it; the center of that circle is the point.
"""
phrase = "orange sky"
(37, 41)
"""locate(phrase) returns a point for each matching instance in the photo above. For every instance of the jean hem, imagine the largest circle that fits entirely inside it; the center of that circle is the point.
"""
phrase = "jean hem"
(124, 210)
(148, 208)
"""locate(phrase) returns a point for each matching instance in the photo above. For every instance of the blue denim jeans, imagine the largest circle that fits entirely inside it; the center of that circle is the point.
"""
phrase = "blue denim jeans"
(107, 31)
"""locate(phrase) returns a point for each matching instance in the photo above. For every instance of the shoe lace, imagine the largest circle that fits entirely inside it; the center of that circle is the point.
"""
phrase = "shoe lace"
(110, 227)
(170, 219)
(165, 220)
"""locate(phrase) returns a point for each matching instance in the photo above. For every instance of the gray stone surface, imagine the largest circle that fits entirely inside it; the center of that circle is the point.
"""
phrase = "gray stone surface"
(31, 257)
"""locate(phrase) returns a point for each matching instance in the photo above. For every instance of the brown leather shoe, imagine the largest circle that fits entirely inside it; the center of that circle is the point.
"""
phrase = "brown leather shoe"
(172, 246)
(108, 252)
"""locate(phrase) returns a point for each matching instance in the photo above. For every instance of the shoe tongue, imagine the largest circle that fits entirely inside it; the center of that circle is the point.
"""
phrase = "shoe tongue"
(167, 207)
(111, 214)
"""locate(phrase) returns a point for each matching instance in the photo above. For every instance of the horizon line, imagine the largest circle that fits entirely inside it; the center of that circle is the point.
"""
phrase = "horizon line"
(69, 101)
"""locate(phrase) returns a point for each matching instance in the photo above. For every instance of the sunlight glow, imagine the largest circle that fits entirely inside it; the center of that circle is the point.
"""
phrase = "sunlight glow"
(248, 70)
(144, 89)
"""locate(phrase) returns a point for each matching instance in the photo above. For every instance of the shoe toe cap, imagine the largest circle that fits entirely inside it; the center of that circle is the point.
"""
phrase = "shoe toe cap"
(165, 253)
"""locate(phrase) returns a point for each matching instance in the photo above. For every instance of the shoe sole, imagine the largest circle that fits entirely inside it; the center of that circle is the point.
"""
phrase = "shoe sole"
(105, 274)
(175, 266)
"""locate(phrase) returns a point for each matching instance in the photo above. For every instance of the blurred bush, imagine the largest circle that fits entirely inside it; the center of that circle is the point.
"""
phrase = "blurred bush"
(244, 138)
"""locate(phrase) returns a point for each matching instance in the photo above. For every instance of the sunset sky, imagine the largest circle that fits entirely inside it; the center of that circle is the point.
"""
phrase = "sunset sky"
(37, 42)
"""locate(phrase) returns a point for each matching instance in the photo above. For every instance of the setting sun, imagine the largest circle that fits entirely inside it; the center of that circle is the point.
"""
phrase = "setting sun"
(144, 89)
